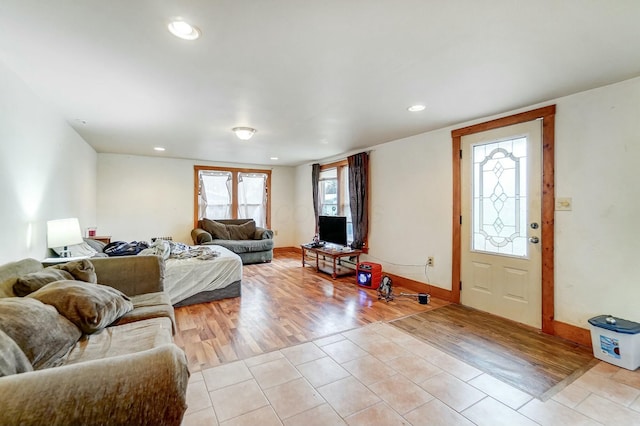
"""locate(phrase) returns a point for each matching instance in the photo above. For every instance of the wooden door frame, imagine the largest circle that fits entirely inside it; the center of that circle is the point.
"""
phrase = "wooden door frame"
(547, 115)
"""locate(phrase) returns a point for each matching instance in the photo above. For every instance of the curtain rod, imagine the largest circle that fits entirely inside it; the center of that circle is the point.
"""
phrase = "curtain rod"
(336, 159)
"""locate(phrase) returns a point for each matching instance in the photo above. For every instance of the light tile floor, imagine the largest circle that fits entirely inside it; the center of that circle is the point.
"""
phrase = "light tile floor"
(379, 375)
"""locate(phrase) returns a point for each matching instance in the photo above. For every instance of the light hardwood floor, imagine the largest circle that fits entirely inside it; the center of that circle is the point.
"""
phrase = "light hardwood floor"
(282, 304)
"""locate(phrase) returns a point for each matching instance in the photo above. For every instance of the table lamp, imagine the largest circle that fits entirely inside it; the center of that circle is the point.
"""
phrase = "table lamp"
(63, 233)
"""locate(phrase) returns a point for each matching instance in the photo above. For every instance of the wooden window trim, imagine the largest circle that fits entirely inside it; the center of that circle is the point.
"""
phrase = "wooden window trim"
(234, 192)
(547, 114)
(337, 165)
(334, 165)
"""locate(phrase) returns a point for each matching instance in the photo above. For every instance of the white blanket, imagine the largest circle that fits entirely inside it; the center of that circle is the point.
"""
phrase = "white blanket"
(185, 277)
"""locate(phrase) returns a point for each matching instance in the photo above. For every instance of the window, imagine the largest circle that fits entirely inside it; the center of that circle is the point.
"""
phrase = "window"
(328, 192)
(333, 193)
(228, 193)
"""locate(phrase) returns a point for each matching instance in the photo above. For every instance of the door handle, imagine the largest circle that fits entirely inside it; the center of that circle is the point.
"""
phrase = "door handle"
(534, 240)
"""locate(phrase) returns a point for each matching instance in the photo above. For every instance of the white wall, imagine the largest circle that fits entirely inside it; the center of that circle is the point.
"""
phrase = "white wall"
(411, 207)
(144, 197)
(597, 243)
(47, 171)
(303, 213)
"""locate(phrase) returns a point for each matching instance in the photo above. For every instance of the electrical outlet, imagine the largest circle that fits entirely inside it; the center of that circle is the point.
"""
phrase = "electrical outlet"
(430, 261)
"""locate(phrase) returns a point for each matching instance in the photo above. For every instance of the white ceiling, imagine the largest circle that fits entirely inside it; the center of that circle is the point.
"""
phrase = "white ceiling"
(316, 78)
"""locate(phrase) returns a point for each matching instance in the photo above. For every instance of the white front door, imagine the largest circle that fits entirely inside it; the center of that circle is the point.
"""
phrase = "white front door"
(501, 212)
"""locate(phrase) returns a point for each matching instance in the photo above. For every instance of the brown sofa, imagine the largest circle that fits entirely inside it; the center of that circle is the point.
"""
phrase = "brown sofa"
(129, 372)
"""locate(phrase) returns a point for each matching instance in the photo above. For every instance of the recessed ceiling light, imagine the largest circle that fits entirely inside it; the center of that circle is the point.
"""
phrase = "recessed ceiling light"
(183, 30)
(244, 133)
(158, 148)
(273, 158)
(416, 108)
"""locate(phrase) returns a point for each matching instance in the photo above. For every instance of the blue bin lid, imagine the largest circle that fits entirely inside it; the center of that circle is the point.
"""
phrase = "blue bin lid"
(615, 324)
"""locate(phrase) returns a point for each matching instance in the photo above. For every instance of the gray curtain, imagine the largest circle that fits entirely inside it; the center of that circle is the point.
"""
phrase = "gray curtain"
(359, 197)
(315, 180)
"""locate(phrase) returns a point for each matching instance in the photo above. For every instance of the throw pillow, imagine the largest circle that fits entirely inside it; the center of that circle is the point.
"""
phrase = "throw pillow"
(29, 283)
(44, 336)
(90, 307)
(217, 230)
(82, 270)
(12, 359)
(98, 246)
(246, 231)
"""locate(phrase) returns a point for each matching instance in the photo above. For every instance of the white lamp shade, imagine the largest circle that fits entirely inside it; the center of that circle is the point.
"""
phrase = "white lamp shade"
(63, 232)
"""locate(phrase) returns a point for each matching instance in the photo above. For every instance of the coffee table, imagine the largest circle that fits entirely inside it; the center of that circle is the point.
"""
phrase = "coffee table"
(328, 259)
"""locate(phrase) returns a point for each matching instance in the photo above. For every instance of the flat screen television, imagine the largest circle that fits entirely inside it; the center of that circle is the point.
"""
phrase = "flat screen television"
(333, 229)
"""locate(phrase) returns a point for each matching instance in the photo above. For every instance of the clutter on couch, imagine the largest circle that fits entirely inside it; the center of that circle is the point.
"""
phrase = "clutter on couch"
(95, 347)
(197, 274)
(252, 243)
(123, 248)
(192, 274)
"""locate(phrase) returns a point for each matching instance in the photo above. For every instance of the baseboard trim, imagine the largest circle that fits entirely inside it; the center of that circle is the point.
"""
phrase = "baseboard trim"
(277, 250)
(409, 284)
(576, 334)
(419, 287)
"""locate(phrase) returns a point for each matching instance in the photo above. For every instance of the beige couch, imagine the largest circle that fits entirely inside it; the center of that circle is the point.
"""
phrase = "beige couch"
(128, 373)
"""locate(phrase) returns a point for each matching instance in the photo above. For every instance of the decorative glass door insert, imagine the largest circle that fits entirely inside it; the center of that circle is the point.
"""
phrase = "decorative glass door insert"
(500, 197)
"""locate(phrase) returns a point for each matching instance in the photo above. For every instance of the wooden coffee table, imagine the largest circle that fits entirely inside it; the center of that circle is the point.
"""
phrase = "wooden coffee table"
(329, 259)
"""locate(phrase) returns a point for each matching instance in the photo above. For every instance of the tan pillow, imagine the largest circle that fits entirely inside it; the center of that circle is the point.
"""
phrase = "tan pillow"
(44, 336)
(91, 307)
(31, 282)
(12, 359)
(246, 231)
(82, 270)
(217, 230)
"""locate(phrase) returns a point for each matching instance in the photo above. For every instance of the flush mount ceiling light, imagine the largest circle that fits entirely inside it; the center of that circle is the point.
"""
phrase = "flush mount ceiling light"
(183, 30)
(416, 108)
(273, 158)
(244, 133)
(158, 148)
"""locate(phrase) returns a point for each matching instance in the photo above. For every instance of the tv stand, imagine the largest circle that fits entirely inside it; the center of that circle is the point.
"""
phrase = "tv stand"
(328, 259)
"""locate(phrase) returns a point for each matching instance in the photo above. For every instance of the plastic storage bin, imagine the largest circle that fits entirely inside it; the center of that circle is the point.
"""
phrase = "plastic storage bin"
(616, 341)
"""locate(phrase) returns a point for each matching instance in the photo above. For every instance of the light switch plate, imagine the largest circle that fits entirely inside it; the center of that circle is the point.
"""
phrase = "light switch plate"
(564, 204)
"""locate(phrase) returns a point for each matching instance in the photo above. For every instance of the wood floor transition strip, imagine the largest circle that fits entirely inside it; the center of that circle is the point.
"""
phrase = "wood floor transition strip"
(521, 356)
